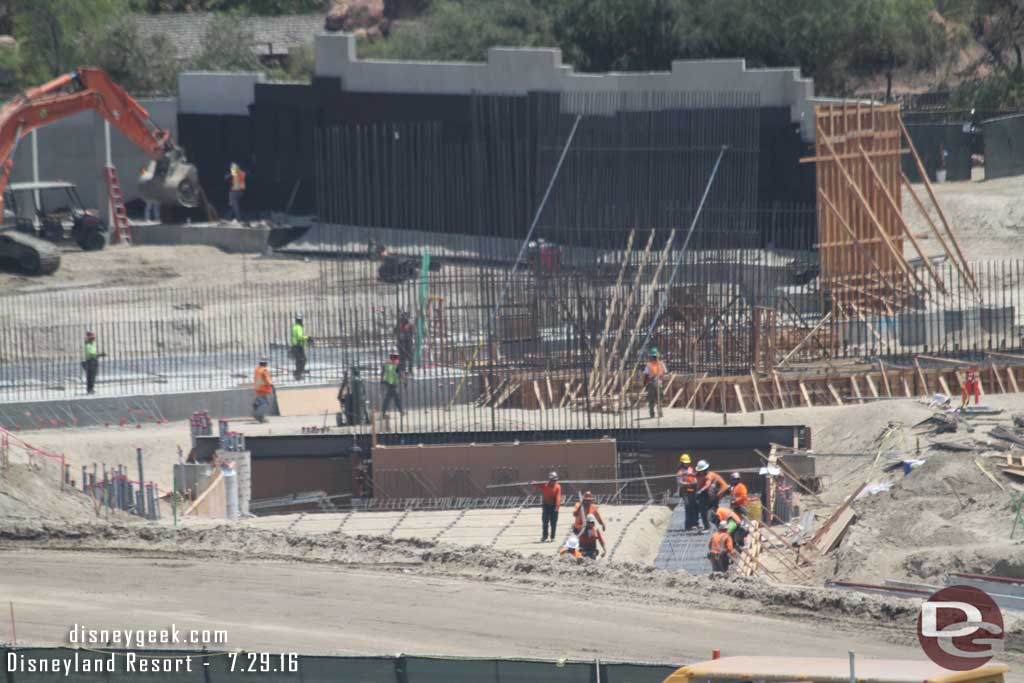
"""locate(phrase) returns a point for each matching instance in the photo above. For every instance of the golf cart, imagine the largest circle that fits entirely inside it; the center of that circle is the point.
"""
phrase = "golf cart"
(53, 211)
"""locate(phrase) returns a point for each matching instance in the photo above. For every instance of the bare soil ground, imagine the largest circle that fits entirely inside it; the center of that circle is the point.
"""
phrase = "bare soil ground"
(387, 595)
(987, 217)
(173, 266)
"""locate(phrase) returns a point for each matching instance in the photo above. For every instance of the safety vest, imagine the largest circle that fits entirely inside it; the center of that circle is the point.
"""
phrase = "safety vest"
(721, 542)
(390, 375)
(655, 368)
(90, 350)
(687, 478)
(238, 180)
(298, 335)
(261, 381)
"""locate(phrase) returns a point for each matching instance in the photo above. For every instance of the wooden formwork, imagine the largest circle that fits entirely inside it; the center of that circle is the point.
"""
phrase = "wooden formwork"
(861, 227)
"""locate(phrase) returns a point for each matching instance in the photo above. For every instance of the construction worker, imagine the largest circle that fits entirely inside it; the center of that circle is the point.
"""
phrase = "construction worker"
(152, 212)
(406, 332)
(686, 484)
(710, 488)
(91, 363)
(571, 548)
(734, 525)
(970, 385)
(590, 538)
(389, 379)
(236, 181)
(654, 371)
(352, 397)
(300, 342)
(582, 510)
(738, 493)
(551, 500)
(720, 549)
(263, 388)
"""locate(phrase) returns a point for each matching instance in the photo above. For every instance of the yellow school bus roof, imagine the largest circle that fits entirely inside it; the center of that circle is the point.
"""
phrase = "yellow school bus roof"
(832, 670)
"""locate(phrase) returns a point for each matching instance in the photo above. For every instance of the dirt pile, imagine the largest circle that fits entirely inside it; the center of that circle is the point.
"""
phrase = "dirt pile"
(30, 494)
(637, 584)
(945, 516)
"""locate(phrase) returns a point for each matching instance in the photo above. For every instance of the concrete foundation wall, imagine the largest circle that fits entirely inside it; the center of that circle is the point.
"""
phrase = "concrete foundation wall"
(73, 149)
(235, 240)
(97, 411)
(521, 70)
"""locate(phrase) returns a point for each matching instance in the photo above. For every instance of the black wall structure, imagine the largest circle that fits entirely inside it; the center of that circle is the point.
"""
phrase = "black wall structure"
(280, 135)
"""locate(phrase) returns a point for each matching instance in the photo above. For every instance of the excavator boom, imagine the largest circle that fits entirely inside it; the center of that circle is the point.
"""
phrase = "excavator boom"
(169, 178)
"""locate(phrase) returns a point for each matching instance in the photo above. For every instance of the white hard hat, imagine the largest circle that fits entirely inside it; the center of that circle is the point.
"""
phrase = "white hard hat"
(734, 475)
(573, 543)
(591, 519)
(553, 475)
(723, 525)
(702, 465)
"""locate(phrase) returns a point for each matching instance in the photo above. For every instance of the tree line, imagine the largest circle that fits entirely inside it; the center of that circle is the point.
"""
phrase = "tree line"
(975, 47)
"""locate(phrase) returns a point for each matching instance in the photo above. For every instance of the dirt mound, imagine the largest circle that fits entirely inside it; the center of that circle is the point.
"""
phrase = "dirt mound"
(633, 583)
(31, 494)
(945, 516)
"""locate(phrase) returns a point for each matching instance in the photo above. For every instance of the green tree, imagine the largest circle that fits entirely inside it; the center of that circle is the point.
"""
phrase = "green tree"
(892, 34)
(55, 36)
(462, 30)
(227, 46)
(619, 35)
(142, 67)
(814, 35)
(268, 7)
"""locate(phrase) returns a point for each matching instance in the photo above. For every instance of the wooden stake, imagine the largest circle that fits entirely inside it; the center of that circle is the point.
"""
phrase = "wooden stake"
(920, 376)
(906, 228)
(739, 396)
(696, 389)
(757, 391)
(778, 389)
(803, 390)
(885, 378)
(995, 374)
(835, 394)
(804, 340)
(871, 385)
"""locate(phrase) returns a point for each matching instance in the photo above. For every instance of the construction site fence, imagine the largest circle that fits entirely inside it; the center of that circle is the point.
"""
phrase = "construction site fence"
(212, 667)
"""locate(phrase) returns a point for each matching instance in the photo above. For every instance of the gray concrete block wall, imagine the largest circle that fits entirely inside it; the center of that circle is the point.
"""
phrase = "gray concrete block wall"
(207, 92)
(74, 149)
(521, 70)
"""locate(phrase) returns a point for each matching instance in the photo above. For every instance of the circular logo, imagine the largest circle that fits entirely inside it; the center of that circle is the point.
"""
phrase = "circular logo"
(960, 628)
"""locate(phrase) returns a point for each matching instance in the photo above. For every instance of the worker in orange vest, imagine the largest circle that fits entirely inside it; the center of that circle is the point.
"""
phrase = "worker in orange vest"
(738, 493)
(571, 548)
(582, 510)
(686, 483)
(236, 181)
(734, 525)
(971, 385)
(263, 387)
(654, 371)
(710, 489)
(551, 500)
(590, 538)
(720, 549)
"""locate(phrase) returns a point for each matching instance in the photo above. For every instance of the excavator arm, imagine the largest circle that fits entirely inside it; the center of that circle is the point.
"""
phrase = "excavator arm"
(170, 178)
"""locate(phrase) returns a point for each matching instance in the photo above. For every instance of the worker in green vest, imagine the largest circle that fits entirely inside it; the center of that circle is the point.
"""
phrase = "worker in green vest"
(389, 380)
(352, 397)
(91, 364)
(299, 344)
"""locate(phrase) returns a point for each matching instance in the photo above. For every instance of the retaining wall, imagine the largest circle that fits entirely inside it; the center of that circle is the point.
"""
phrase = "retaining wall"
(232, 239)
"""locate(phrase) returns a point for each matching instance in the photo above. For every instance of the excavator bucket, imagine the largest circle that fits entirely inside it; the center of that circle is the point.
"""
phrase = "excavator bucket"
(170, 181)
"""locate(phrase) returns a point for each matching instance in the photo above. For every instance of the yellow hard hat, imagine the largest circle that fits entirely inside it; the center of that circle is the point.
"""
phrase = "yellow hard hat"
(685, 458)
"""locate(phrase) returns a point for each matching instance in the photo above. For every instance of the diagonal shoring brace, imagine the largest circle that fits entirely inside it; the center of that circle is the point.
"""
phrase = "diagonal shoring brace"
(682, 252)
(522, 252)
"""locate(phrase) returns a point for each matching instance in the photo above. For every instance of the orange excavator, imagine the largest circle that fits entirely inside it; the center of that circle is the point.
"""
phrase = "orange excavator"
(169, 177)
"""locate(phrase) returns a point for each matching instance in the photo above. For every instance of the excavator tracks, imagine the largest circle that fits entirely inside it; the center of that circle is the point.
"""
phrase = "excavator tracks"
(29, 254)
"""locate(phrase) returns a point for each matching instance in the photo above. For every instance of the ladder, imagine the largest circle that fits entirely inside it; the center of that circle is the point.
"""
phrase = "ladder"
(118, 214)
